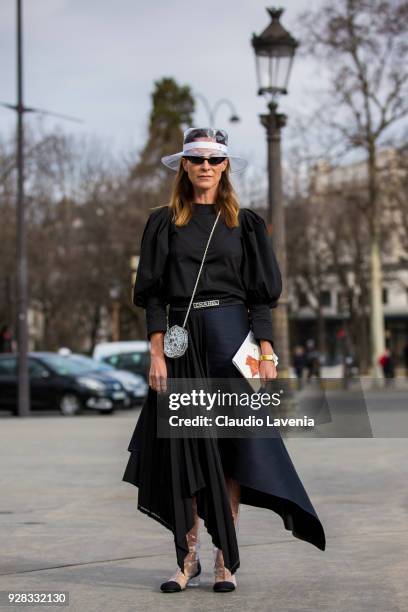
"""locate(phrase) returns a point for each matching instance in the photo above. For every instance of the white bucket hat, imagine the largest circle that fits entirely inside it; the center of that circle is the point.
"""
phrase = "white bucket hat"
(205, 142)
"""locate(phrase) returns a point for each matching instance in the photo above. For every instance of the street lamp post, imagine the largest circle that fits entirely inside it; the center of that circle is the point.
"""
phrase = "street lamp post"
(22, 333)
(213, 111)
(274, 52)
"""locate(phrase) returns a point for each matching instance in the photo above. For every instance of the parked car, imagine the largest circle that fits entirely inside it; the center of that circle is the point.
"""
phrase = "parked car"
(134, 384)
(133, 356)
(60, 383)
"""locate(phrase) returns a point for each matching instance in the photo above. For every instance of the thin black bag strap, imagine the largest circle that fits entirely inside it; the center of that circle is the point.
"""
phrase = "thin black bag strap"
(201, 267)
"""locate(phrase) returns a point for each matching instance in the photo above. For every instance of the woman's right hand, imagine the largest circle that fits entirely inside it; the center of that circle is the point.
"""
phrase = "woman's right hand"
(158, 367)
(158, 374)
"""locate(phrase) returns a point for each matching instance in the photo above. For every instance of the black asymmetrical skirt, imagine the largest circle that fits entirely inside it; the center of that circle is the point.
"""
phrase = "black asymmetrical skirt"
(169, 472)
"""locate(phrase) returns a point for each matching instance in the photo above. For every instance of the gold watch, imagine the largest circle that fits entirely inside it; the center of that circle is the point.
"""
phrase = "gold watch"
(271, 357)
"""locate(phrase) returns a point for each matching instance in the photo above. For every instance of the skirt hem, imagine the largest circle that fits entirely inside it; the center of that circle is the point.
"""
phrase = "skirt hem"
(281, 502)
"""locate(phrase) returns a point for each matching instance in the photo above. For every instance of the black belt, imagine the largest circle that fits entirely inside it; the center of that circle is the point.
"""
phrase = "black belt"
(210, 303)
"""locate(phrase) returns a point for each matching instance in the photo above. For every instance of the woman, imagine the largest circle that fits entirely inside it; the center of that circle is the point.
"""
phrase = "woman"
(183, 480)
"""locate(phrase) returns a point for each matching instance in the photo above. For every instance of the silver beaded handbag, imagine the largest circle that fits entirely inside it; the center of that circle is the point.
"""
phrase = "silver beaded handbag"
(176, 336)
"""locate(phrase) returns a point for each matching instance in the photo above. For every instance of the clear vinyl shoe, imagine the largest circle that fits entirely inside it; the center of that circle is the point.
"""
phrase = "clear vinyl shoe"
(224, 580)
(192, 567)
(181, 580)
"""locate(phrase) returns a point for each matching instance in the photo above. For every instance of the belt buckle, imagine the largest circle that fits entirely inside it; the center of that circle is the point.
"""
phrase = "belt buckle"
(206, 303)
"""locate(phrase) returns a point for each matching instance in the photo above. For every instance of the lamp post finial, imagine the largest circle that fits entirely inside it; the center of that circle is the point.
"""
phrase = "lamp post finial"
(275, 13)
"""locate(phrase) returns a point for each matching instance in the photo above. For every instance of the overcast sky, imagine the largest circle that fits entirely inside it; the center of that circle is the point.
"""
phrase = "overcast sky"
(98, 60)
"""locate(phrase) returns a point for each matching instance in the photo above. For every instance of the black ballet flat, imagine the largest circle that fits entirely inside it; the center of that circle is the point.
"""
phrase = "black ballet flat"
(224, 586)
(172, 586)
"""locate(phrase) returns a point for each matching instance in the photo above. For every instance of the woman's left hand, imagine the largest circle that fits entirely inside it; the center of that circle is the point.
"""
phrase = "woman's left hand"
(267, 370)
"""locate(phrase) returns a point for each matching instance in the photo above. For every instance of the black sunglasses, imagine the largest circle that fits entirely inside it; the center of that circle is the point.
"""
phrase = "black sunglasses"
(197, 161)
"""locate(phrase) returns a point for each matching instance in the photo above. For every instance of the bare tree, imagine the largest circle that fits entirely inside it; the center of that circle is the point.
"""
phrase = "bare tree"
(7, 235)
(308, 261)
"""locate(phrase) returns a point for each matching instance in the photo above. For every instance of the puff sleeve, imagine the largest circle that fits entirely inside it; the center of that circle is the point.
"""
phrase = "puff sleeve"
(149, 289)
(260, 274)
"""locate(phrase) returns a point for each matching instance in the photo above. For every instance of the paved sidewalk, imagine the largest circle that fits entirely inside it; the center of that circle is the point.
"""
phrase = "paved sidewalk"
(68, 522)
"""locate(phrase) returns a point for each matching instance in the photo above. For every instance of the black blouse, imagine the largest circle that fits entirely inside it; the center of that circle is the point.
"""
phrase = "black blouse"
(240, 263)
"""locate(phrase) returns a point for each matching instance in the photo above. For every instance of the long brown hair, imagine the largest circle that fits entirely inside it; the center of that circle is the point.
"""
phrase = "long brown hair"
(182, 197)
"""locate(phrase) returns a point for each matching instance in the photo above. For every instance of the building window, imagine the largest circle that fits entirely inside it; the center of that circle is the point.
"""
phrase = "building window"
(325, 298)
(385, 296)
(302, 298)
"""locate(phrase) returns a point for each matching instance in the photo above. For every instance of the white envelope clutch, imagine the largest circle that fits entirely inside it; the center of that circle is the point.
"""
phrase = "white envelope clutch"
(246, 359)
